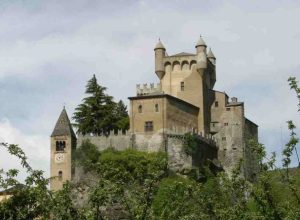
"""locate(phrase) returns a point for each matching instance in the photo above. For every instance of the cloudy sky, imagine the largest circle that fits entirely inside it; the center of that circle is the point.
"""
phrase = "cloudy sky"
(49, 49)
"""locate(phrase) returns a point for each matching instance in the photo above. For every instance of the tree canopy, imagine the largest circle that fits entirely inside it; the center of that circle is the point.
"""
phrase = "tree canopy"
(98, 113)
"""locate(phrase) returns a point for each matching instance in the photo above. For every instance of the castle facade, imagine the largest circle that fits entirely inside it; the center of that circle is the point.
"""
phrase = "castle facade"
(183, 101)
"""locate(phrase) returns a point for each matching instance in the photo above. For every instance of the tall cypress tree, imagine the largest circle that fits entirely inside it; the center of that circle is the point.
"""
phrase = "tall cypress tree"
(98, 114)
(122, 118)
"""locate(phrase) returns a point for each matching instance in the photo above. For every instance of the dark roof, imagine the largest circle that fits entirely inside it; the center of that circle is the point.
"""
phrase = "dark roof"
(182, 54)
(162, 96)
(235, 103)
(63, 125)
(11, 190)
(251, 122)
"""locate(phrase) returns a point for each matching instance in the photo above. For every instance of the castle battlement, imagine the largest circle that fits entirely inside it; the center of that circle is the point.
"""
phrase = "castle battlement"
(147, 89)
(110, 133)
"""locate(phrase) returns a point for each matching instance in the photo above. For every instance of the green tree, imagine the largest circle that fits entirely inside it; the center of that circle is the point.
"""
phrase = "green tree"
(98, 113)
(122, 119)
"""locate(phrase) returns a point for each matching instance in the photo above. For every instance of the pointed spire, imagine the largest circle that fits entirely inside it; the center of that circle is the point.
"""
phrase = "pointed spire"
(210, 54)
(63, 125)
(159, 45)
(200, 42)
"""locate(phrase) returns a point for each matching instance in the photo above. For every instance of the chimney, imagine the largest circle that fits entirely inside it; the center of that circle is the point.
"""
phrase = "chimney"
(234, 99)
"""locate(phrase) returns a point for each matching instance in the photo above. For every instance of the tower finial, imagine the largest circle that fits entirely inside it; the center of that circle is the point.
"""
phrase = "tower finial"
(201, 42)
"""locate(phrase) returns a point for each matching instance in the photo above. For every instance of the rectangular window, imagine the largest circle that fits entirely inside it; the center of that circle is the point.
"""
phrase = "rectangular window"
(149, 126)
(182, 86)
(226, 124)
(227, 109)
(216, 104)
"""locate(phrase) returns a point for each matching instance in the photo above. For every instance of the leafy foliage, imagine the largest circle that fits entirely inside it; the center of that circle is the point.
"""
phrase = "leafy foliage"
(99, 114)
(190, 144)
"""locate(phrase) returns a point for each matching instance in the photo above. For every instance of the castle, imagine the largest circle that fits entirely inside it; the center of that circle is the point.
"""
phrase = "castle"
(183, 101)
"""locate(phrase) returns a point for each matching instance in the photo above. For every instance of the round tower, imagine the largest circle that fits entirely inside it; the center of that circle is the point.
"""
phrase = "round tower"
(201, 54)
(160, 52)
(201, 46)
(211, 56)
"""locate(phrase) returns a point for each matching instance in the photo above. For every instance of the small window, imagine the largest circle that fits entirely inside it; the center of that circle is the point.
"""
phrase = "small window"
(60, 145)
(223, 138)
(149, 126)
(182, 86)
(156, 108)
(140, 109)
(225, 124)
(216, 104)
(60, 175)
(227, 109)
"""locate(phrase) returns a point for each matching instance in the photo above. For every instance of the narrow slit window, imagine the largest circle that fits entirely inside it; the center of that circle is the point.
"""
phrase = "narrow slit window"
(140, 109)
(156, 108)
(60, 175)
(223, 138)
(216, 104)
(149, 126)
(182, 86)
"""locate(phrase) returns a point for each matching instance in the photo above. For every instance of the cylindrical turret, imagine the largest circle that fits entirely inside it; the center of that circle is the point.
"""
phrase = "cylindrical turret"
(160, 51)
(211, 57)
(201, 54)
(201, 46)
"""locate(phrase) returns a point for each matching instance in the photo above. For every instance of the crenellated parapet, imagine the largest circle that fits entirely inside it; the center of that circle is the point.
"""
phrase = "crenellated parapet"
(109, 133)
(148, 89)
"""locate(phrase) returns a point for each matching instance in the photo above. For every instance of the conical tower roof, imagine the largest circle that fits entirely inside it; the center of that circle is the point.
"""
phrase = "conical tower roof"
(200, 42)
(210, 54)
(63, 125)
(159, 45)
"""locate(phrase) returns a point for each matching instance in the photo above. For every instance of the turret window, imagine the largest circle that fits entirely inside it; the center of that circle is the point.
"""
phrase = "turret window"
(182, 86)
(60, 145)
(156, 108)
(140, 109)
(60, 175)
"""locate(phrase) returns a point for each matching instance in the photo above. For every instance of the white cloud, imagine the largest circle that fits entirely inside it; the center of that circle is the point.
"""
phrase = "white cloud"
(36, 148)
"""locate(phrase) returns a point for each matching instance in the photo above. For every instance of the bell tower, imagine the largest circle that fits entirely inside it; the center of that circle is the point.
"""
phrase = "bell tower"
(63, 145)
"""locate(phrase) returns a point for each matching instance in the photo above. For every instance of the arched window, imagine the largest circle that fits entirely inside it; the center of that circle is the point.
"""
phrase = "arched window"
(60, 175)
(168, 67)
(140, 109)
(185, 65)
(156, 108)
(176, 66)
(193, 64)
(57, 145)
(63, 145)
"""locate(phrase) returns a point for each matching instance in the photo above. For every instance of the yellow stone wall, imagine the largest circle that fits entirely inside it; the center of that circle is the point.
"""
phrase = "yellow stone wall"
(64, 166)
(173, 113)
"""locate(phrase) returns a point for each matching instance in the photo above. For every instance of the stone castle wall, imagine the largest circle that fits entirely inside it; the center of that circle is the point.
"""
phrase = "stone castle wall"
(172, 144)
